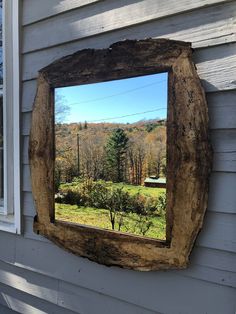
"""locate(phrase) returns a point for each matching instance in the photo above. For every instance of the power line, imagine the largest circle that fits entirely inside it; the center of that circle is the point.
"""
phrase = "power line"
(114, 95)
(128, 115)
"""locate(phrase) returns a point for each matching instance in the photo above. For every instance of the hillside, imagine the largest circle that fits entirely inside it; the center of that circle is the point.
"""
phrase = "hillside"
(82, 150)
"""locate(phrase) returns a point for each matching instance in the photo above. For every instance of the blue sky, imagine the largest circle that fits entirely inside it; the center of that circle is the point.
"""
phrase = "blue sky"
(104, 101)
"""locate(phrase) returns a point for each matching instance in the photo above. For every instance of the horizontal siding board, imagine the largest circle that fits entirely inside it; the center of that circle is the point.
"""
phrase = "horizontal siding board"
(225, 162)
(222, 110)
(79, 299)
(216, 66)
(222, 196)
(35, 284)
(106, 16)
(34, 10)
(214, 259)
(192, 26)
(212, 275)
(123, 284)
(218, 232)
(173, 295)
(25, 303)
(223, 141)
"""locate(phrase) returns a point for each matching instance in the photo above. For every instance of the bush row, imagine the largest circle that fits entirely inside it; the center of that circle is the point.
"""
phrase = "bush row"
(100, 195)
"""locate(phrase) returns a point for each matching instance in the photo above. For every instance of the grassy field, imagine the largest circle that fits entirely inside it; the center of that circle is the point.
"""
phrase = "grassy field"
(100, 218)
(131, 222)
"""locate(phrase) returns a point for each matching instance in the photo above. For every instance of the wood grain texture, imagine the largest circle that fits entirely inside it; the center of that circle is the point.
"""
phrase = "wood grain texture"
(188, 153)
(104, 17)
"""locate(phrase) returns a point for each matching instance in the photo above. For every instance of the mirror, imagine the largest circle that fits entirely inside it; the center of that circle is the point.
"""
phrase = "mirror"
(187, 150)
(110, 144)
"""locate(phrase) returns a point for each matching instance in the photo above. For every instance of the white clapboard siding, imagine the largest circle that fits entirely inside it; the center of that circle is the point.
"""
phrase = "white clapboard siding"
(87, 301)
(24, 280)
(25, 303)
(34, 10)
(222, 109)
(198, 27)
(101, 279)
(49, 289)
(225, 162)
(222, 196)
(215, 259)
(106, 16)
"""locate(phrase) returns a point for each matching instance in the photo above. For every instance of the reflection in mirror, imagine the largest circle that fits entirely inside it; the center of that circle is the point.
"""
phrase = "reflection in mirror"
(110, 167)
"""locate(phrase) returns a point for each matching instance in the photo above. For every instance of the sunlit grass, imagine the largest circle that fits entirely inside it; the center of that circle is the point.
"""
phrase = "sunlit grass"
(100, 218)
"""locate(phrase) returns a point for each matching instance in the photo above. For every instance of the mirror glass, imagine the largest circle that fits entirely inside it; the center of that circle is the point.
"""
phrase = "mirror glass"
(110, 161)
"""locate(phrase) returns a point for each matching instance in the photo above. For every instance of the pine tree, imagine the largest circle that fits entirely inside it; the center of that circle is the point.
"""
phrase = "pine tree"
(116, 149)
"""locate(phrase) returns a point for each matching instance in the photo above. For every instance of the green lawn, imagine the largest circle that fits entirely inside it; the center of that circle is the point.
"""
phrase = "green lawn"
(134, 189)
(100, 218)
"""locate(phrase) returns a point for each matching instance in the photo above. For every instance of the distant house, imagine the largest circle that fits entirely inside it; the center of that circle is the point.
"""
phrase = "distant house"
(155, 182)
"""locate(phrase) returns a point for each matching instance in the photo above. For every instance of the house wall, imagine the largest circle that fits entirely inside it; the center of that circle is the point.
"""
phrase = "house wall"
(38, 277)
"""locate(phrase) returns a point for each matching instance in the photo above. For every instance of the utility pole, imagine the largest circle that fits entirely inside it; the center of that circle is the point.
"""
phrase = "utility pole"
(78, 155)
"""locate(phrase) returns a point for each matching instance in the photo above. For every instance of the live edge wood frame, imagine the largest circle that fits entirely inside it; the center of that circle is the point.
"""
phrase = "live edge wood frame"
(188, 153)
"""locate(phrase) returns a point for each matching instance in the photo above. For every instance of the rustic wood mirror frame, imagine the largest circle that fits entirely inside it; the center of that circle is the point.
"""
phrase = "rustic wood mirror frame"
(188, 153)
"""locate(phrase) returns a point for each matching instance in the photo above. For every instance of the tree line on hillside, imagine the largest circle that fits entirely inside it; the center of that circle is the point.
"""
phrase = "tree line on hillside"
(111, 152)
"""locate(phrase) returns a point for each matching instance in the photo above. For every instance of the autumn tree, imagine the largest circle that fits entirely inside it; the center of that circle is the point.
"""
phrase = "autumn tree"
(62, 109)
(116, 149)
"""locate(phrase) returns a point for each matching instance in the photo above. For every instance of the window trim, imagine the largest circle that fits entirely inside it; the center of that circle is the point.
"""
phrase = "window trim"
(10, 217)
(188, 153)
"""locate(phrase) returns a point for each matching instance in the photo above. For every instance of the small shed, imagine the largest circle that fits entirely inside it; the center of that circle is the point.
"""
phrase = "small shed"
(155, 182)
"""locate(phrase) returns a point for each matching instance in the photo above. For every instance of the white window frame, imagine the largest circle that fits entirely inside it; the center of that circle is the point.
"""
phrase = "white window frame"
(10, 217)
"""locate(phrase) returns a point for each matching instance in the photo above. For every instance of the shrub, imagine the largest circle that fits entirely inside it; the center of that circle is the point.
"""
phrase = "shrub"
(161, 203)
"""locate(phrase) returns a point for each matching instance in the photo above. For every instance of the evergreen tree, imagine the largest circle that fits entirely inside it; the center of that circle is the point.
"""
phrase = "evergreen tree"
(116, 149)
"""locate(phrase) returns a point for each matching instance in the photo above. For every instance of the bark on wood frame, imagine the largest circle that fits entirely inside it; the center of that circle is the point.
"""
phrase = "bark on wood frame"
(188, 153)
